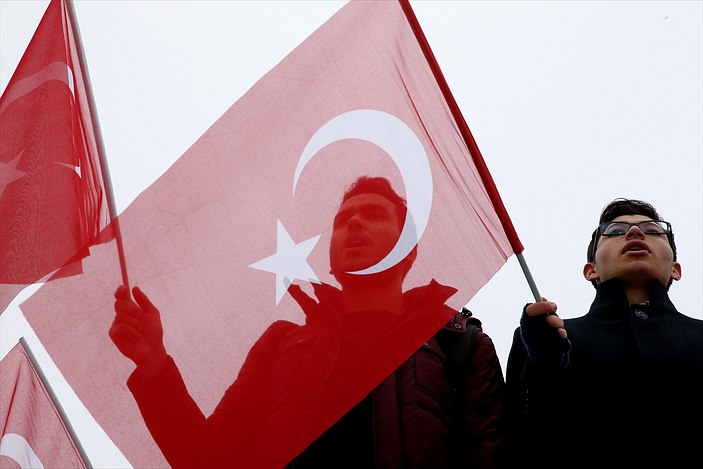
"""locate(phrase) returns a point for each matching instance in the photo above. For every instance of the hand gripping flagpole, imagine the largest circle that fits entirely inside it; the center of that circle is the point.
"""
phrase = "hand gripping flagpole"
(70, 11)
(55, 401)
(481, 167)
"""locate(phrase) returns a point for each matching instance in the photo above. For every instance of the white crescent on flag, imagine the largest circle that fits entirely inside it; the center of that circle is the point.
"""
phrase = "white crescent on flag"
(59, 71)
(405, 149)
(19, 450)
(400, 143)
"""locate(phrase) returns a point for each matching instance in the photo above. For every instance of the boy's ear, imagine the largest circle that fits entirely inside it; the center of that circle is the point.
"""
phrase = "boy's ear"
(590, 272)
(676, 271)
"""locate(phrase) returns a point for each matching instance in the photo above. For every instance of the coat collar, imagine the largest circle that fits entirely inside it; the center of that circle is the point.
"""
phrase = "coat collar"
(611, 295)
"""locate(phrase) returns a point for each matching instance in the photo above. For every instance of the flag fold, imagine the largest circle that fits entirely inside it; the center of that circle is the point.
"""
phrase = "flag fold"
(53, 202)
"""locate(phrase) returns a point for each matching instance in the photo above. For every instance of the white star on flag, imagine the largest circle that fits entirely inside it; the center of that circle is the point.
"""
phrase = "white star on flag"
(289, 262)
(9, 172)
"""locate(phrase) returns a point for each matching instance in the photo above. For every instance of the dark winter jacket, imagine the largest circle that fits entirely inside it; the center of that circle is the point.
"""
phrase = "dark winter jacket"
(420, 418)
(627, 392)
(411, 420)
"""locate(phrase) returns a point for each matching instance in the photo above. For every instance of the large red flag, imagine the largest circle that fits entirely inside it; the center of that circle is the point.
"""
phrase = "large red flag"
(34, 433)
(53, 202)
(248, 210)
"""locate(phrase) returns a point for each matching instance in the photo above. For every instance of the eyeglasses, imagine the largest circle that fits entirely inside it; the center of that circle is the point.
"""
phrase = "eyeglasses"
(648, 227)
(620, 228)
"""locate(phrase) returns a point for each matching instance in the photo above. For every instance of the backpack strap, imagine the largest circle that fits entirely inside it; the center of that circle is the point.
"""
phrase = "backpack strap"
(460, 347)
(465, 345)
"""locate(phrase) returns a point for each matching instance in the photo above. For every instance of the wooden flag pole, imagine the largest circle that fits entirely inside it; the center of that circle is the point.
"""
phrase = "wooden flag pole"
(54, 399)
(99, 141)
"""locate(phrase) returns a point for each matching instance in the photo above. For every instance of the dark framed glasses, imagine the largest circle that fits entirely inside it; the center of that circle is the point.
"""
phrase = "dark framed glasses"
(648, 227)
(620, 228)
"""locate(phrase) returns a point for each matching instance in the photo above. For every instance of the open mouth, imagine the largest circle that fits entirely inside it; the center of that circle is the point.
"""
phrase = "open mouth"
(355, 242)
(635, 246)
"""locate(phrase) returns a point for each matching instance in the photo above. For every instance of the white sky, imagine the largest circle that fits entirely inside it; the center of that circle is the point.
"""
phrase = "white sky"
(572, 104)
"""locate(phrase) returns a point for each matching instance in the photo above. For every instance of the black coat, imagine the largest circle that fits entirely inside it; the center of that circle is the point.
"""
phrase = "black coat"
(628, 393)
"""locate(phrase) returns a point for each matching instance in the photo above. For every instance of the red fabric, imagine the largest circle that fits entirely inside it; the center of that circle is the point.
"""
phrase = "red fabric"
(197, 240)
(481, 166)
(283, 389)
(52, 197)
(32, 429)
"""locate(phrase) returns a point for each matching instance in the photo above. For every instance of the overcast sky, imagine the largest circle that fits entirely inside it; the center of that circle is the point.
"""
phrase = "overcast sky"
(572, 104)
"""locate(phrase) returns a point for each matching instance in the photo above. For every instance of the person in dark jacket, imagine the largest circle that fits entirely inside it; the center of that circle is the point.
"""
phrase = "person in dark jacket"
(421, 414)
(621, 386)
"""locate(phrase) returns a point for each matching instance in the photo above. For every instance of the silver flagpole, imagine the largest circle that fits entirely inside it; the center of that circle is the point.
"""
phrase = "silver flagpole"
(528, 276)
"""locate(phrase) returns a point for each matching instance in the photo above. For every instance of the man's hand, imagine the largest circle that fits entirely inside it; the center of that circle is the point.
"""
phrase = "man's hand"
(548, 308)
(137, 331)
(543, 334)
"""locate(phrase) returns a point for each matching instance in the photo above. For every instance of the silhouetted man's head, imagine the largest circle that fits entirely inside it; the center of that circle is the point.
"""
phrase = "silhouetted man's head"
(367, 227)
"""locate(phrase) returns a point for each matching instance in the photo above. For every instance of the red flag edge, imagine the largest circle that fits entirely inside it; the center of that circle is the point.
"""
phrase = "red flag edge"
(483, 171)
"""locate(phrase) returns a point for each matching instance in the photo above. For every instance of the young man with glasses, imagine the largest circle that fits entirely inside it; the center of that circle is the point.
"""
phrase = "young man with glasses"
(621, 386)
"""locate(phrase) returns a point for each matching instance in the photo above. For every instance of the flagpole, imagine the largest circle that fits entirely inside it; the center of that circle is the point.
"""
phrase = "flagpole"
(481, 166)
(54, 399)
(528, 276)
(99, 140)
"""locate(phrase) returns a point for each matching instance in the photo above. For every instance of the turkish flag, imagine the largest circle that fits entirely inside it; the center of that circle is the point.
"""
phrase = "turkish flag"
(248, 210)
(52, 194)
(34, 433)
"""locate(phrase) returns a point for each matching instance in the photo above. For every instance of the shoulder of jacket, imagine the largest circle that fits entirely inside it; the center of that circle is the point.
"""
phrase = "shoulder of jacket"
(278, 329)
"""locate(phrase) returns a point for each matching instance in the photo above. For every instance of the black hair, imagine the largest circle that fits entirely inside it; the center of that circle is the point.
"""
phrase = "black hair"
(618, 208)
(380, 186)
